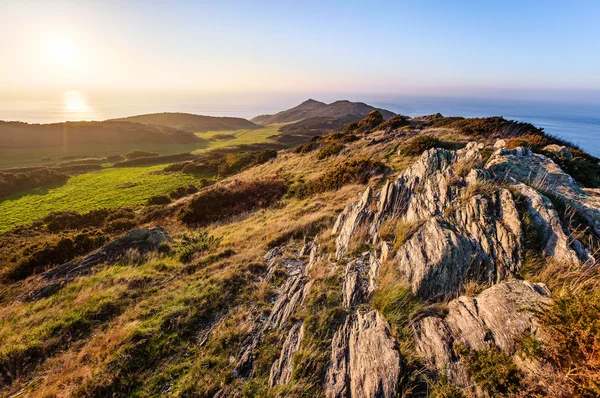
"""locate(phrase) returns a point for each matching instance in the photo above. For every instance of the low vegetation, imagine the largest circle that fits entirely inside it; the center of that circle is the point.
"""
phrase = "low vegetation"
(18, 181)
(223, 202)
(494, 372)
(418, 145)
(349, 172)
(108, 188)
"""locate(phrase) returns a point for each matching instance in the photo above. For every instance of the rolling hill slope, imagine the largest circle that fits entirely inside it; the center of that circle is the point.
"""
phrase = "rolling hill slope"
(191, 122)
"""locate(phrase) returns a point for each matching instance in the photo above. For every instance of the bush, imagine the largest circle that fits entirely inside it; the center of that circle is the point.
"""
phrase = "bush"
(42, 255)
(494, 371)
(395, 122)
(226, 201)
(65, 220)
(119, 225)
(331, 149)
(572, 324)
(373, 119)
(195, 243)
(136, 154)
(418, 145)
(182, 191)
(350, 172)
(158, 200)
(15, 182)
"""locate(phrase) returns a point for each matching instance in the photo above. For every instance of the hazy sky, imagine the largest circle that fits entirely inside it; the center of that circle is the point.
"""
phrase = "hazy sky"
(432, 47)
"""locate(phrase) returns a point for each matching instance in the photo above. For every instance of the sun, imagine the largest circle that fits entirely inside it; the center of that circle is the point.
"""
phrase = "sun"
(61, 51)
(75, 102)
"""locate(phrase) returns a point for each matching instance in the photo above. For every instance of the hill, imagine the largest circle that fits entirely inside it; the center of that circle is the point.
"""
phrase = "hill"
(424, 257)
(315, 109)
(191, 122)
(25, 135)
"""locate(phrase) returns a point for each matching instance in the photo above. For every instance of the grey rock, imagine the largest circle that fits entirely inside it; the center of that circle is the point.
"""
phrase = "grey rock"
(281, 370)
(498, 316)
(141, 240)
(364, 360)
(560, 150)
(540, 172)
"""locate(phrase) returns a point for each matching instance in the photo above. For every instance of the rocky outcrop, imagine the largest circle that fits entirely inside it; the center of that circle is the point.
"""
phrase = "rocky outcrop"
(291, 294)
(281, 371)
(498, 316)
(554, 241)
(470, 226)
(540, 172)
(364, 360)
(560, 150)
(140, 241)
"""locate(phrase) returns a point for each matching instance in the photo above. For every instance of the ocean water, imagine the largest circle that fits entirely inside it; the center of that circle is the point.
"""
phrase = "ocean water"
(577, 123)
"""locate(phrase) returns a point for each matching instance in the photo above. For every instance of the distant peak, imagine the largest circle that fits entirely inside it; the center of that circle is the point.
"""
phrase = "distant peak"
(311, 101)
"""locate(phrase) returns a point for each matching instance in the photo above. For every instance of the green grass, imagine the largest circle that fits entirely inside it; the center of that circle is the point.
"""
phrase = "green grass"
(242, 137)
(20, 157)
(110, 188)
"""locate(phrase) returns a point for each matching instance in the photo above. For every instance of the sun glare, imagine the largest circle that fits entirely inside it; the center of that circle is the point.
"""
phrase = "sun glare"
(61, 51)
(75, 102)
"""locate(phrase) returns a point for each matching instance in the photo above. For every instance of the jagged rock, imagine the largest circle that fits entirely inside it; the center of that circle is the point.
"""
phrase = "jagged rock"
(540, 172)
(364, 359)
(281, 371)
(555, 242)
(350, 219)
(499, 144)
(436, 260)
(560, 150)
(141, 240)
(291, 294)
(471, 229)
(499, 316)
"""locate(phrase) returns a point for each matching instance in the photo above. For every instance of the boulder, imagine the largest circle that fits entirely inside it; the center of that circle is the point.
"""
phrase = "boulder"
(141, 240)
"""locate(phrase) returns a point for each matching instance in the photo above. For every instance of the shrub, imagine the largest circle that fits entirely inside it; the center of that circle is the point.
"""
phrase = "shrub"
(350, 172)
(331, 149)
(15, 182)
(119, 225)
(494, 371)
(158, 200)
(65, 220)
(42, 255)
(395, 122)
(237, 198)
(418, 145)
(572, 324)
(444, 389)
(136, 154)
(195, 243)
(373, 119)
(182, 191)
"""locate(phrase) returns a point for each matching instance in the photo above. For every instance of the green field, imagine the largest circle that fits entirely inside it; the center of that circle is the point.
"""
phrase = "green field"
(242, 137)
(111, 188)
(20, 157)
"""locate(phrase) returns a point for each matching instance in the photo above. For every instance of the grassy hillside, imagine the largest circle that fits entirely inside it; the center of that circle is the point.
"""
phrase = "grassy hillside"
(191, 122)
(178, 321)
(217, 139)
(19, 157)
(25, 135)
(110, 188)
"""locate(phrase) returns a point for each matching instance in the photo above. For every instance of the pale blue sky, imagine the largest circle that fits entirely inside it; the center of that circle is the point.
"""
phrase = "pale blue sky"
(396, 47)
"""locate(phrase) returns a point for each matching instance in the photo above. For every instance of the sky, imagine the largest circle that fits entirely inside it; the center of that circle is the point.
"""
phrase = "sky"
(177, 48)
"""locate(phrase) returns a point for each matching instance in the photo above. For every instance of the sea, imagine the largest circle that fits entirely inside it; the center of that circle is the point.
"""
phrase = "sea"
(576, 122)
